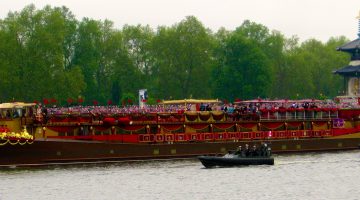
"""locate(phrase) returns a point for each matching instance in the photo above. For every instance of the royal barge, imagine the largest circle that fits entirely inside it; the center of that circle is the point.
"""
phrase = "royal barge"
(79, 138)
(31, 135)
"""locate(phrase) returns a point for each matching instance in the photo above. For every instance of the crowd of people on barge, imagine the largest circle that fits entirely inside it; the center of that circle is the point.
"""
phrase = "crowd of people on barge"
(242, 108)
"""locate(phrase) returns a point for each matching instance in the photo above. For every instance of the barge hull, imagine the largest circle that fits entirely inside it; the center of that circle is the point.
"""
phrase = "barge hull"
(43, 152)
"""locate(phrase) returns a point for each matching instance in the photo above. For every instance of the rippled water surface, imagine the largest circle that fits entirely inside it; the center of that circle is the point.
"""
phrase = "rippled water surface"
(302, 176)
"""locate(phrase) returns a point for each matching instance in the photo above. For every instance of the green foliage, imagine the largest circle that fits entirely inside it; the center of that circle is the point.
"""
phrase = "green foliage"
(129, 99)
(182, 57)
(48, 53)
(245, 73)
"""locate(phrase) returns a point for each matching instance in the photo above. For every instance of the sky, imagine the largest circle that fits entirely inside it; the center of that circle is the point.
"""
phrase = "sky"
(306, 19)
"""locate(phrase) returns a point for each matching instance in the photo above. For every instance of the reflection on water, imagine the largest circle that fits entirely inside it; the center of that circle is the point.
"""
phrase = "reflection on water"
(298, 176)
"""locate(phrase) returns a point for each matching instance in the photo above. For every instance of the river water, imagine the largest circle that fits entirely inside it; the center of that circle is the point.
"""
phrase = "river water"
(334, 175)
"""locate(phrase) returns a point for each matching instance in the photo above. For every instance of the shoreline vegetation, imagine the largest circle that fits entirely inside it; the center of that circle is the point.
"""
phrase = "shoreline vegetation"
(47, 55)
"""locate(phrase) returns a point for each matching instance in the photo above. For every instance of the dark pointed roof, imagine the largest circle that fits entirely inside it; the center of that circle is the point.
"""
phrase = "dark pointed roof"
(349, 70)
(351, 46)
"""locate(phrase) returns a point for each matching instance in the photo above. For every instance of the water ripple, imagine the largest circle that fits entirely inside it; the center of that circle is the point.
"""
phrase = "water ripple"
(297, 176)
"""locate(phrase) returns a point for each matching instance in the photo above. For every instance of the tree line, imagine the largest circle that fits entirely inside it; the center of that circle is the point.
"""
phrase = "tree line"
(48, 55)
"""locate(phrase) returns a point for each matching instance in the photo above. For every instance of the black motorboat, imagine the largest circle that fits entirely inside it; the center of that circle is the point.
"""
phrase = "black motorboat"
(239, 157)
(231, 160)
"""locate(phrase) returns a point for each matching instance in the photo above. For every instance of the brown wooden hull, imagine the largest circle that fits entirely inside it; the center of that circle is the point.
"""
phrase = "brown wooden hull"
(45, 152)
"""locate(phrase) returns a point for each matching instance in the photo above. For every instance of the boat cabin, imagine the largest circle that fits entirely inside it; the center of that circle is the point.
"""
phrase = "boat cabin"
(14, 116)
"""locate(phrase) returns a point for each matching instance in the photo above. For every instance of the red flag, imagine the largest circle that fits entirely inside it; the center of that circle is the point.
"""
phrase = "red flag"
(45, 101)
(80, 100)
(109, 102)
(69, 100)
(52, 100)
(95, 103)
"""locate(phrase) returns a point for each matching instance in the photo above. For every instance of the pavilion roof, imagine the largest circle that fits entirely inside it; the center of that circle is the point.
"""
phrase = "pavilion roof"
(350, 46)
(348, 70)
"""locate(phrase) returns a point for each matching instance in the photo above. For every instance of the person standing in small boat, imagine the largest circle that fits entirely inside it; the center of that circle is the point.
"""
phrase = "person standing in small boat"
(263, 149)
(239, 151)
(268, 150)
(247, 150)
(254, 152)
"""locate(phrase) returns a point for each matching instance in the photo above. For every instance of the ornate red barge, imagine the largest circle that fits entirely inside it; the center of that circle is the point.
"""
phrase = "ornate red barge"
(73, 138)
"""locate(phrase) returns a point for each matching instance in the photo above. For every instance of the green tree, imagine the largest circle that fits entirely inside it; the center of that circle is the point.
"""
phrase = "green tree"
(218, 76)
(183, 59)
(35, 41)
(138, 41)
(47, 53)
(102, 55)
(125, 75)
(87, 55)
(245, 73)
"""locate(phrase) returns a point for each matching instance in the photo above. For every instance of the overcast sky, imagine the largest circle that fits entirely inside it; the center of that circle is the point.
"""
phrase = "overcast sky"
(319, 19)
